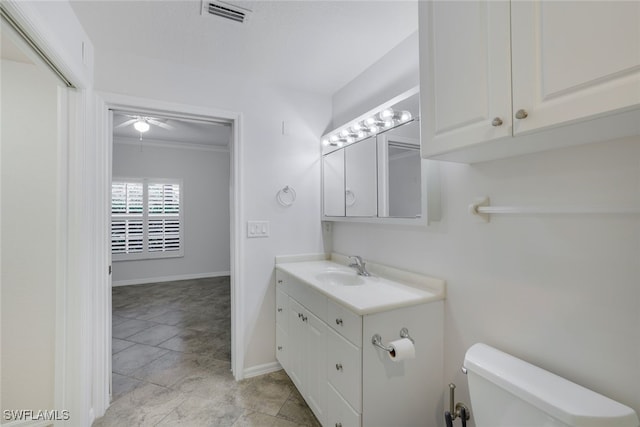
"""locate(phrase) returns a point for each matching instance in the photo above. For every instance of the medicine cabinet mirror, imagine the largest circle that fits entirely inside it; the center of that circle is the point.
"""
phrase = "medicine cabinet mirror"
(372, 170)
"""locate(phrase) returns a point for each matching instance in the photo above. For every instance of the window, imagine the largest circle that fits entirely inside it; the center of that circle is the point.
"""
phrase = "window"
(146, 219)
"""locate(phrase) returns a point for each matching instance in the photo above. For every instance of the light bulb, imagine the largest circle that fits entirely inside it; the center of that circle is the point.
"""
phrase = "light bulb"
(340, 143)
(405, 116)
(325, 142)
(385, 114)
(361, 134)
(344, 132)
(373, 129)
(141, 126)
(388, 123)
(370, 121)
(350, 139)
(356, 127)
(334, 138)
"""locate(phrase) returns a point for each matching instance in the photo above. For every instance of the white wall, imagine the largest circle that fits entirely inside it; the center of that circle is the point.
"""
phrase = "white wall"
(205, 193)
(559, 291)
(400, 70)
(269, 159)
(29, 155)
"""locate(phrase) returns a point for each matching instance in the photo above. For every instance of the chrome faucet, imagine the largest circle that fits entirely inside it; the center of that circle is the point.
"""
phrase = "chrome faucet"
(359, 265)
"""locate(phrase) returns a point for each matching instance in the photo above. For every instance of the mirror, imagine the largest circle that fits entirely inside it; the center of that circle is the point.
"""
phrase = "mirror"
(372, 168)
(399, 172)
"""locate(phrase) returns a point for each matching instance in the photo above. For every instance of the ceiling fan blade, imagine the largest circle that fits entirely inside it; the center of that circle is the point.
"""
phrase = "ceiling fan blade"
(160, 124)
(127, 123)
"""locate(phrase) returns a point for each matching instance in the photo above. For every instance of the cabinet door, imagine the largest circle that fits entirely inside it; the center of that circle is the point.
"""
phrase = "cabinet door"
(361, 178)
(574, 60)
(316, 366)
(296, 341)
(333, 183)
(465, 73)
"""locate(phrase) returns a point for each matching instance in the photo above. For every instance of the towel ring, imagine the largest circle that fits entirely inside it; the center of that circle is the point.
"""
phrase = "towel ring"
(286, 196)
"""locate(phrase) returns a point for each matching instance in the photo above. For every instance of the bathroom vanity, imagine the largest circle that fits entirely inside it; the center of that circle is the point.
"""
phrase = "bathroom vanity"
(326, 318)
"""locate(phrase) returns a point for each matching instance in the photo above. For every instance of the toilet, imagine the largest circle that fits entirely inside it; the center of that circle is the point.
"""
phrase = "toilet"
(509, 392)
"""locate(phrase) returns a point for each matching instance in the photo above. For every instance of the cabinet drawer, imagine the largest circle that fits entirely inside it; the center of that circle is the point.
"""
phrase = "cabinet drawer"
(345, 322)
(314, 301)
(339, 413)
(344, 369)
(282, 306)
(282, 349)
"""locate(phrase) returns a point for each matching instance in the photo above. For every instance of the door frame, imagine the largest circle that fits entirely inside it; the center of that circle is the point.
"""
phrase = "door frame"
(105, 102)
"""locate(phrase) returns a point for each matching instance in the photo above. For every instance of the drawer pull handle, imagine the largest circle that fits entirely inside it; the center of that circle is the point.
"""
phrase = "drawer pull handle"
(338, 366)
(338, 424)
(279, 309)
(338, 321)
(304, 318)
(280, 281)
(299, 315)
(279, 347)
(521, 114)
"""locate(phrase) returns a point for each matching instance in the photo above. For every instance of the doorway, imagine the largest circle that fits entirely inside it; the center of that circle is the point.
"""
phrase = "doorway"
(170, 111)
(170, 244)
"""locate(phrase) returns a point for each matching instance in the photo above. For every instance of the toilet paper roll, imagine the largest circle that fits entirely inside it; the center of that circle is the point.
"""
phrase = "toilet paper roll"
(402, 349)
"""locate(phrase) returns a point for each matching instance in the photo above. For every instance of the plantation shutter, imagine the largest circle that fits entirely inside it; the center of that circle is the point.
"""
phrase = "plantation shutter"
(164, 217)
(127, 225)
(146, 219)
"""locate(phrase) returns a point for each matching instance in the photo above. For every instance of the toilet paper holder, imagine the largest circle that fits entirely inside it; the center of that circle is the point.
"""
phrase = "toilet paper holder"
(376, 340)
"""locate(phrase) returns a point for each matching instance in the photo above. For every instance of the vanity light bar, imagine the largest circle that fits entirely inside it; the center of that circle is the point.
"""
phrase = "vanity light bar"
(372, 125)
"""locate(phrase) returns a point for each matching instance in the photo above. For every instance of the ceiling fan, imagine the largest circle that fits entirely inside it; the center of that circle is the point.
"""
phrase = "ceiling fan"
(143, 123)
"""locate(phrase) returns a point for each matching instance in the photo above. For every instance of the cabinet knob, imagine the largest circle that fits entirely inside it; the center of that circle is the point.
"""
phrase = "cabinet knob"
(338, 424)
(521, 114)
(279, 347)
(280, 281)
(304, 318)
(299, 315)
(279, 309)
(338, 321)
(338, 366)
(496, 122)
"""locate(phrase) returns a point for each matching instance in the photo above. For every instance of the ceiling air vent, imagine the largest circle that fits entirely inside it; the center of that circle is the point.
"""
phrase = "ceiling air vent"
(225, 10)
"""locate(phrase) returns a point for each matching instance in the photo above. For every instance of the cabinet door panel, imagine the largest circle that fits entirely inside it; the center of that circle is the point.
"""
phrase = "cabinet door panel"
(316, 366)
(361, 178)
(282, 350)
(296, 341)
(574, 60)
(339, 412)
(333, 183)
(465, 70)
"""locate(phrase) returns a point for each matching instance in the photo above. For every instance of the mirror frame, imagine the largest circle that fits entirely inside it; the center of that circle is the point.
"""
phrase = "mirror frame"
(430, 176)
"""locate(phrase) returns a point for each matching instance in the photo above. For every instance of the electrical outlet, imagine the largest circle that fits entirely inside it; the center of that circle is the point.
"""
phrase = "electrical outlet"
(257, 229)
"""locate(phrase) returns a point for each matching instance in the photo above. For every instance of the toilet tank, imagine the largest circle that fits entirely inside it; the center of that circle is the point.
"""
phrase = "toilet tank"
(509, 392)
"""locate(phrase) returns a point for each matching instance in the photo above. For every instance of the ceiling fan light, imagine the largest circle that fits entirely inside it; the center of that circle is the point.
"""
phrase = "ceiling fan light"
(141, 126)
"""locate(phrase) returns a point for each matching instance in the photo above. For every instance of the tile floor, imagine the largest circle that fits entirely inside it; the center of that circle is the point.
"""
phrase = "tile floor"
(171, 363)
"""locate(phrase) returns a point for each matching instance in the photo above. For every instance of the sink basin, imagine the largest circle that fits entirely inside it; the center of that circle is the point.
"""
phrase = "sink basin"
(340, 278)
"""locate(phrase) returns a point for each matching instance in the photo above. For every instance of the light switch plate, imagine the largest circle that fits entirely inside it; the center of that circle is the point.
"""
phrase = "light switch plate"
(257, 229)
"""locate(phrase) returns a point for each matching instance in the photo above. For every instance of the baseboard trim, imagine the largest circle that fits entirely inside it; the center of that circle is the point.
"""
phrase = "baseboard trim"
(170, 278)
(28, 423)
(267, 368)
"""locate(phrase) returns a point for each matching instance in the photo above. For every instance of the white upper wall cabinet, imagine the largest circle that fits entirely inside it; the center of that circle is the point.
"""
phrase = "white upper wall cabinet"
(465, 57)
(495, 70)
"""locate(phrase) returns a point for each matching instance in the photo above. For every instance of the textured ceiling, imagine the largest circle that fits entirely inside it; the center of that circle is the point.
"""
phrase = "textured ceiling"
(317, 46)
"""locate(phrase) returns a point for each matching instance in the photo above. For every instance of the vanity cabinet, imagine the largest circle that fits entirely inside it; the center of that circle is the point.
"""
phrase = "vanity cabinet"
(345, 380)
(496, 70)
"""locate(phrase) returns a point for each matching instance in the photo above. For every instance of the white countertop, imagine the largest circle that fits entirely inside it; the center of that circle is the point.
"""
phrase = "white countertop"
(387, 288)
